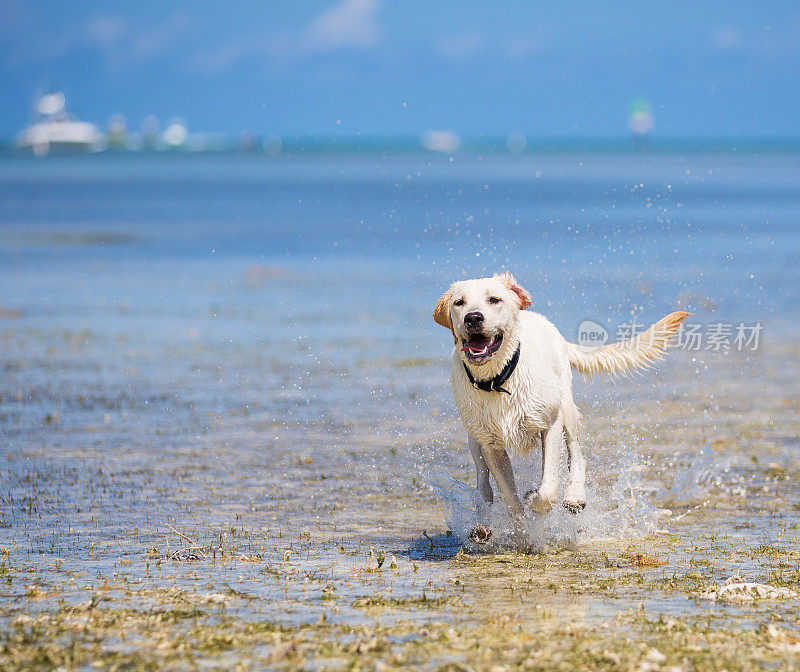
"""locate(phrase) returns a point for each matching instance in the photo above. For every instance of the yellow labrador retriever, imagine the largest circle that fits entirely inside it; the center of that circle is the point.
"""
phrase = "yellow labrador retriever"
(512, 380)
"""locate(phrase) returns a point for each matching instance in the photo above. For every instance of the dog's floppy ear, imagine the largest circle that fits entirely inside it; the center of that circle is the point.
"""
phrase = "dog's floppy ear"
(522, 294)
(441, 314)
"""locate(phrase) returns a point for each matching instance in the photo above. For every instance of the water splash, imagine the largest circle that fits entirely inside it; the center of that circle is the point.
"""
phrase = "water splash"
(702, 473)
(617, 507)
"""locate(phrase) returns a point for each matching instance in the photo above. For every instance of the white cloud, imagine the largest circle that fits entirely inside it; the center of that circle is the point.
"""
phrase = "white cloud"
(105, 31)
(522, 47)
(221, 59)
(461, 46)
(347, 24)
(727, 38)
(113, 38)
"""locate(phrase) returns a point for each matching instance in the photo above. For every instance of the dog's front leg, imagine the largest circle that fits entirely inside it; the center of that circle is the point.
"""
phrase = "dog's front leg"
(500, 465)
(543, 499)
(575, 495)
(484, 486)
(481, 533)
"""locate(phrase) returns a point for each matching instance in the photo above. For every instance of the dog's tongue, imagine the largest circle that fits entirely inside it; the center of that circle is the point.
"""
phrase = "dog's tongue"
(477, 345)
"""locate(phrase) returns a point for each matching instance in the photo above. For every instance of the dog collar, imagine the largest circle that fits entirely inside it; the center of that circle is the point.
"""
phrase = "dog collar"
(493, 384)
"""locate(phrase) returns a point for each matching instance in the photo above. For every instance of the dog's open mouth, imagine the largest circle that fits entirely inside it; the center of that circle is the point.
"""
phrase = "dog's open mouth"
(478, 346)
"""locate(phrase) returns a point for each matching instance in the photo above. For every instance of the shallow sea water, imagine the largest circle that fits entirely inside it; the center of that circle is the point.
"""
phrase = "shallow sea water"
(242, 348)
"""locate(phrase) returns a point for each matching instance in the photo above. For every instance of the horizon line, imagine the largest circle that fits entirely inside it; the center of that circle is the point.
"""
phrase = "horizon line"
(248, 142)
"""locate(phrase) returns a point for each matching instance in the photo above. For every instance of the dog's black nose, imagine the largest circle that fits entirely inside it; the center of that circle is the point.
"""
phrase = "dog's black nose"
(473, 320)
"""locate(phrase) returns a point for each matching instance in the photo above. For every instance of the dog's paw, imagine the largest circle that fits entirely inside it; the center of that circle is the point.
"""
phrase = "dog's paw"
(537, 503)
(574, 506)
(480, 534)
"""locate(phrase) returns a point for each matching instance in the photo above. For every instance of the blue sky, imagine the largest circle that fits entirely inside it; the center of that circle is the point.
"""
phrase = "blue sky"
(342, 67)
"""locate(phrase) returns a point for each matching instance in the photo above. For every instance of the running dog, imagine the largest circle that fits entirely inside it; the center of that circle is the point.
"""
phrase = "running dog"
(511, 375)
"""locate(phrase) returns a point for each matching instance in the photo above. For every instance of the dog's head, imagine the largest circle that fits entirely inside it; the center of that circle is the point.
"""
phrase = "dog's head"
(481, 314)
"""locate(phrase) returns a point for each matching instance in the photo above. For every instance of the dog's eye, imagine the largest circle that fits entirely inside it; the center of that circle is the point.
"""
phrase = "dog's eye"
(459, 302)
(494, 299)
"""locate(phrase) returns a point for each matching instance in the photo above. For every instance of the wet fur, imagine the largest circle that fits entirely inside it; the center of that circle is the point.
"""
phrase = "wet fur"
(539, 412)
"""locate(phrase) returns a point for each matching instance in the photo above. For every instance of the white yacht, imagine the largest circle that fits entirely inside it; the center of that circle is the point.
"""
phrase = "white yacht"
(58, 131)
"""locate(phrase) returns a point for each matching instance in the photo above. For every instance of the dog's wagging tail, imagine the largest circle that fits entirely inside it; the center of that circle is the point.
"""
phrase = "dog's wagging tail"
(639, 352)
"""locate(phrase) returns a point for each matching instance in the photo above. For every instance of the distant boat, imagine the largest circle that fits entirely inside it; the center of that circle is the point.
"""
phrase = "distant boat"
(640, 118)
(58, 131)
(440, 141)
